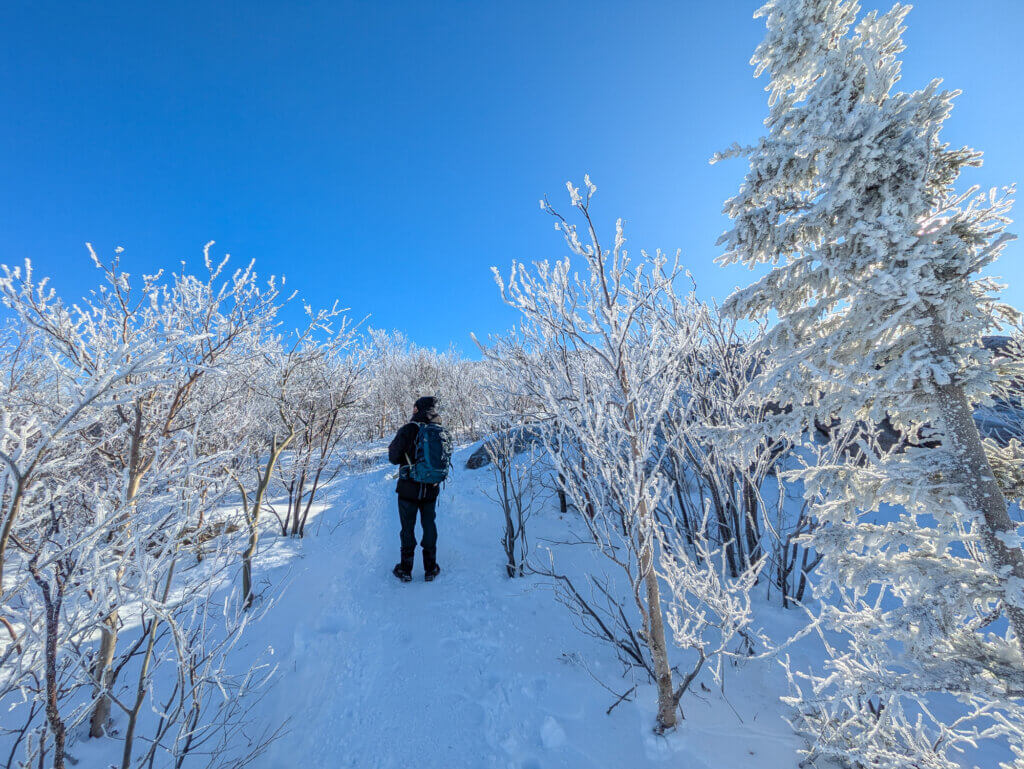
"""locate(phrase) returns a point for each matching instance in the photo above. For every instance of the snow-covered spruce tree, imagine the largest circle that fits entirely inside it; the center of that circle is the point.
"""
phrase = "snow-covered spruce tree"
(599, 354)
(880, 308)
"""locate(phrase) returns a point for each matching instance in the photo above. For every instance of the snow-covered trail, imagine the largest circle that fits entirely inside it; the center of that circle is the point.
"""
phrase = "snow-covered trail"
(466, 671)
(419, 674)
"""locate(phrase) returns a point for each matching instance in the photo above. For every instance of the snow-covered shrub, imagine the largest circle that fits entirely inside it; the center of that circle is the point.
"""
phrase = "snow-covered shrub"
(276, 396)
(325, 399)
(123, 420)
(61, 506)
(721, 455)
(516, 492)
(599, 360)
(511, 451)
(399, 371)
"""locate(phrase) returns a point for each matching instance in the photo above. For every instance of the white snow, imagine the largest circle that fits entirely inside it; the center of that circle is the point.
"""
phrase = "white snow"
(472, 670)
(552, 734)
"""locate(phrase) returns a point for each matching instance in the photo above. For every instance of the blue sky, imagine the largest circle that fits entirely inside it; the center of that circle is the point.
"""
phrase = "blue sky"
(388, 153)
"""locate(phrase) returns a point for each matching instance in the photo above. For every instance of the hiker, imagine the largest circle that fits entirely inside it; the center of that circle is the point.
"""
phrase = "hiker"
(422, 449)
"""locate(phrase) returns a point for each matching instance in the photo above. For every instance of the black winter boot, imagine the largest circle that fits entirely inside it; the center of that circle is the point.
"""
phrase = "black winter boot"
(402, 573)
(431, 572)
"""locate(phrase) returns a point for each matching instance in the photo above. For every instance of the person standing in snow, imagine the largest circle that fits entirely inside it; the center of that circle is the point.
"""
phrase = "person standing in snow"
(422, 450)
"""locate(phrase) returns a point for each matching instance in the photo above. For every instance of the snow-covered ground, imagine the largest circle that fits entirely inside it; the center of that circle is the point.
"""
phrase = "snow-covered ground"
(474, 669)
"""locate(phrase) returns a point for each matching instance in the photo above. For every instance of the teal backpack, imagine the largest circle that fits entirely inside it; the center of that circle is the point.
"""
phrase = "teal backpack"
(433, 454)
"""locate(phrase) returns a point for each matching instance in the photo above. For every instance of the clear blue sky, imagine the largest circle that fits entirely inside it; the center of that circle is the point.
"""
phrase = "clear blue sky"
(388, 153)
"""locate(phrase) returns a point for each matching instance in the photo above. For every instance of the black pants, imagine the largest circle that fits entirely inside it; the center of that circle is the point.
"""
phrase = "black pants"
(407, 509)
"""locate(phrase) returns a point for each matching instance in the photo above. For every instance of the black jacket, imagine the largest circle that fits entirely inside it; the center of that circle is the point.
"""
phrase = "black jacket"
(401, 452)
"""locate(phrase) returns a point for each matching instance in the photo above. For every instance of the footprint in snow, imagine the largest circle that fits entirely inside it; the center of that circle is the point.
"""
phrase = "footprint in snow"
(552, 735)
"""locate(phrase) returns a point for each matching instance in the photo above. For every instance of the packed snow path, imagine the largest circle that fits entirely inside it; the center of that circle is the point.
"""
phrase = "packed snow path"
(466, 671)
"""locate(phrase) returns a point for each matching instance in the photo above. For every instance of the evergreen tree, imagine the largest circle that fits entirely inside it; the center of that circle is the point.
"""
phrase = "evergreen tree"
(880, 303)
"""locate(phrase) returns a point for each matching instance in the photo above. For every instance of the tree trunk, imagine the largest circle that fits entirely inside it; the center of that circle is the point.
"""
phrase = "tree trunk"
(728, 540)
(656, 641)
(980, 491)
(247, 554)
(52, 711)
(253, 517)
(589, 507)
(802, 586)
(655, 622)
(103, 675)
(753, 527)
(508, 540)
(288, 510)
(309, 502)
(297, 511)
(5, 534)
(51, 609)
(140, 690)
(103, 671)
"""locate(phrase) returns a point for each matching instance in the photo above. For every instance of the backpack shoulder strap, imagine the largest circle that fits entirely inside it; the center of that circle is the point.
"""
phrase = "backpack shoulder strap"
(417, 426)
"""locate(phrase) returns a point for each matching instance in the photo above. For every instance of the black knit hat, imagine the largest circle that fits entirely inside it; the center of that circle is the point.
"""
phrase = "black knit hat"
(426, 404)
